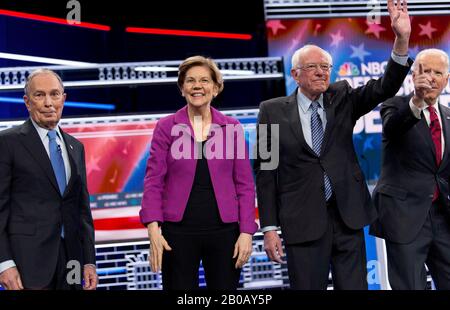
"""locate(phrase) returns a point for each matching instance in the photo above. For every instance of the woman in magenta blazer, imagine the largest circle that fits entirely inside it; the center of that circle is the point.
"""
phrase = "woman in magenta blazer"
(199, 188)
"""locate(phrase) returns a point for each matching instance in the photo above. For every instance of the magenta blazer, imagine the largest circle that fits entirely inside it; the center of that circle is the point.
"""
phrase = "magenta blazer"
(168, 179)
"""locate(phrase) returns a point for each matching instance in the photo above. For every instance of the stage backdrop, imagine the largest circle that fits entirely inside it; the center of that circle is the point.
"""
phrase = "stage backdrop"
(360, 51)
(117, 149)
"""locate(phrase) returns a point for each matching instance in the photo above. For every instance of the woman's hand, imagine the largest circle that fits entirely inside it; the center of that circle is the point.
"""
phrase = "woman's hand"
(243, 249)
(157, 245)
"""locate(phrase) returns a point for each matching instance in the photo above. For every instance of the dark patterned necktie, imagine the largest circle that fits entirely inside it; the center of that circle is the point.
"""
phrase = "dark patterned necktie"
(317, 138)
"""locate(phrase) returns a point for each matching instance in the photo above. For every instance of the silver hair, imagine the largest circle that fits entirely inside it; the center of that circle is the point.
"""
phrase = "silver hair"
(428, 51)
(33, 74)
(298, 53)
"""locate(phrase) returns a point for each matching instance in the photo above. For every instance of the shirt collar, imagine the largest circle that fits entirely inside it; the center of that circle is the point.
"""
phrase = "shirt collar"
(435, 105)
(42, 132)
(304, 102)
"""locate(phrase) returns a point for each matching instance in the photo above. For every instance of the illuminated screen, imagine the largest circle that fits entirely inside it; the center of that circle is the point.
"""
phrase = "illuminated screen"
(360, 51)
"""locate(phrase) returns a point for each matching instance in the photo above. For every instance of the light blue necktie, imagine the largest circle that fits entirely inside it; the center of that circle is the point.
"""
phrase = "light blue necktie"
(57, 161)
(317, 138)
(57, 164)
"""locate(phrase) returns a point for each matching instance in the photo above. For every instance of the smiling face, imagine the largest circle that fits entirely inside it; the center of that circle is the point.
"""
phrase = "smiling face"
(434, 65)
(314, 82)
(199, 88)
(45, 100)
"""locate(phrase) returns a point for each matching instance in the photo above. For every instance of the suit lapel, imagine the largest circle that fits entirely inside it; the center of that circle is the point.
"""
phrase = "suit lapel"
(425, 133)
(32, 142)
(445, 117)
(73, 165)
(290, 109)
(330, 113)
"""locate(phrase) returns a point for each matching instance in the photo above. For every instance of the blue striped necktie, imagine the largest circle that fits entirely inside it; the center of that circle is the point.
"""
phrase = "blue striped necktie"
(317, 138)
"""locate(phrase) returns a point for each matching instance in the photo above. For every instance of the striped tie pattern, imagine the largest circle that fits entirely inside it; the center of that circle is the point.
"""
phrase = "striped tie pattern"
(317, 138)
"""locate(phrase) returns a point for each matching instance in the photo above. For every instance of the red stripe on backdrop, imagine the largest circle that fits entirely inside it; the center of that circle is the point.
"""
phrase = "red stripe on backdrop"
(54, 20)
(189, 33)
(118, 223)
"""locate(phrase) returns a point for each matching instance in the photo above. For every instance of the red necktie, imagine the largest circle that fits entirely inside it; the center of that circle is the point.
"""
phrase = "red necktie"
(435, 129)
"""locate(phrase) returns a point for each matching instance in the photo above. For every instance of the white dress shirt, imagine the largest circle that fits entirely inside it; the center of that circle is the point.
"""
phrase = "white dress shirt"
(417, 111)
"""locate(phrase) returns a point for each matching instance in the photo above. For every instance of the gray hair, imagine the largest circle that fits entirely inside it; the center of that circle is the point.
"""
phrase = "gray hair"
(299, 53)
(37, 72)
(428, 51)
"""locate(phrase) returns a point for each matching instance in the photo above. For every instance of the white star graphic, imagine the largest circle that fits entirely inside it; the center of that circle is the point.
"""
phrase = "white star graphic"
(427, 30)
(336, 38)
(359, 52)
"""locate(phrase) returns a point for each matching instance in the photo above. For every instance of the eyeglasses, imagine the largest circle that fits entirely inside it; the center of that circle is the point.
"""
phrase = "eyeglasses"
(315, 67)
(40, 96)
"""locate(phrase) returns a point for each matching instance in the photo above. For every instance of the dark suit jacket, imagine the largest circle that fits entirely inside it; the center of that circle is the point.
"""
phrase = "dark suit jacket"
(409, 171)
(32, 209)
(293, 195)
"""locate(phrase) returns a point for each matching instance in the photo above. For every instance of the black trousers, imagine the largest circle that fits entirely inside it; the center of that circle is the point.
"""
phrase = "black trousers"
(215, 250)
(59, 280)
(340, 248)
(406, 262)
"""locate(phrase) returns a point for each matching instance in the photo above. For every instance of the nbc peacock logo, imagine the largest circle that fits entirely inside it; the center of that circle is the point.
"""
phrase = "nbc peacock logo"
(348, 69)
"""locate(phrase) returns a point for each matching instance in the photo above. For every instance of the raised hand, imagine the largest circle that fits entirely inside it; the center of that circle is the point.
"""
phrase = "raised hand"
(400, 22)
(422, 83)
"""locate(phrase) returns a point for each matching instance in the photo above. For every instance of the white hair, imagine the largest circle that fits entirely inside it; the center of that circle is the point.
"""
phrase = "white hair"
(37, 72)
(299, 54)
(429, 51)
